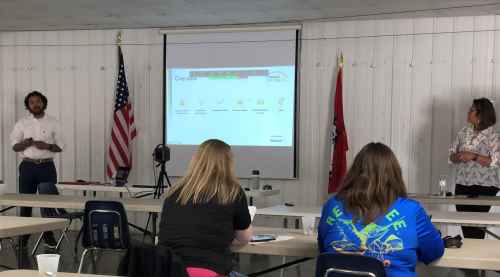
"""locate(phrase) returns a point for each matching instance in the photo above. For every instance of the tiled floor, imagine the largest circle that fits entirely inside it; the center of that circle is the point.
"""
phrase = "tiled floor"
(107, 263)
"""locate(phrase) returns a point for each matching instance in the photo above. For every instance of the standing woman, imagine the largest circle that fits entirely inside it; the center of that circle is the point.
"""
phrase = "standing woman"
(206, 212)
(476, 152)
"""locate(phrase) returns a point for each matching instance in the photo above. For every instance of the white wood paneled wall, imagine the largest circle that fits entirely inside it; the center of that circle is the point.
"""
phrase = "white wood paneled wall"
(408, 83)
(76, 70)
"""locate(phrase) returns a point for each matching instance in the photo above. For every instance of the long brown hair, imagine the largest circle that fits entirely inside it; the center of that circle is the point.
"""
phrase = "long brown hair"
(210, 175)
(372, 184)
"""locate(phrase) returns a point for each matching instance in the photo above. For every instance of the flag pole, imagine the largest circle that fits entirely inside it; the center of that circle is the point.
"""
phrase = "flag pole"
(341, 60)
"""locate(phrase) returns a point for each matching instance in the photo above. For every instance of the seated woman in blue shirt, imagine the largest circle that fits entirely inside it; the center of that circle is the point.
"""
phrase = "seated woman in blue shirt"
(372, 215)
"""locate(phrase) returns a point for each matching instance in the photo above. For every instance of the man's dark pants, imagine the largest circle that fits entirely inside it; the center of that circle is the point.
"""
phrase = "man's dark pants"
(30, 175)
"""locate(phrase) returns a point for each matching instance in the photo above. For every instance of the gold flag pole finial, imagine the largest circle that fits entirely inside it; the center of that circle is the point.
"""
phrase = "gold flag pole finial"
(119, 38)
(341, 60)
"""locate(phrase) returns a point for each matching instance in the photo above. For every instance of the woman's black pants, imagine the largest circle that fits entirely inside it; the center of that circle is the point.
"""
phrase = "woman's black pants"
(474, 232)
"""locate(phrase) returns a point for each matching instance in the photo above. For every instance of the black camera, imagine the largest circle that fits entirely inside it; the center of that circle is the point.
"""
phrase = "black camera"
(161, 153)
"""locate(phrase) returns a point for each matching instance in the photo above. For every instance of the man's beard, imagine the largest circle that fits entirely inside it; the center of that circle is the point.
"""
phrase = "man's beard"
(37, 112)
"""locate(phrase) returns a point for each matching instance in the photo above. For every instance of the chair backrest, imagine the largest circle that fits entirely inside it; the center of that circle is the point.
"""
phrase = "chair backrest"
(154, 260)
(50, 188)
(348, 265)
(105, 225)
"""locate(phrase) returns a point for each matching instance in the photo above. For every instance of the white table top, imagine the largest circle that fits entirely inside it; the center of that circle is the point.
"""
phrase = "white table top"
(102, 188)
(474, 253)
(442, 217)
(132, 189)
(299, 246)
(465, 218)
(77, 202)
(34, 273)
(11, 226)
(282, 210)
(455, 200)
(256, 193)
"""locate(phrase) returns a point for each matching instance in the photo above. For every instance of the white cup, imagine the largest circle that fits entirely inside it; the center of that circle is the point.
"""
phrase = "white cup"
(47, 264)
(252, 210)
(308, 224)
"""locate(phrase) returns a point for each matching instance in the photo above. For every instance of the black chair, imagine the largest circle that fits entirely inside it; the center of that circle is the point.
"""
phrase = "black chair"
(152, 261)
(105, 227)
(50, 188)
(348, 265)
(1, 248)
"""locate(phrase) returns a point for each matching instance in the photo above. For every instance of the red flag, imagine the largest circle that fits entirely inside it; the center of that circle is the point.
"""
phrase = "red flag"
(123, 130)
(338, 166)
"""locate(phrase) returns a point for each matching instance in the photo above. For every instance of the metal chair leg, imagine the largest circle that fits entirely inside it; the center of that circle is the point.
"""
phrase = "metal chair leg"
(297, 269)
(75, 249)
(282, 271)
(66, 237)
(82, 259)
(94, 260)
(63, 234)
(37, 244)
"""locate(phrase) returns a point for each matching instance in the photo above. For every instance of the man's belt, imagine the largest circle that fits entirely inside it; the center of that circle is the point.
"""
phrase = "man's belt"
(38, 161)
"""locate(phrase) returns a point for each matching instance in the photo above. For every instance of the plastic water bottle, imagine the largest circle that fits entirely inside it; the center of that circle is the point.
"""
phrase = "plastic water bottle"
(442, 186)
(255, 180)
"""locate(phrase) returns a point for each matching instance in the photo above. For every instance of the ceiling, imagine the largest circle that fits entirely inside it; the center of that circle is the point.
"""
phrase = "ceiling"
(17, 15)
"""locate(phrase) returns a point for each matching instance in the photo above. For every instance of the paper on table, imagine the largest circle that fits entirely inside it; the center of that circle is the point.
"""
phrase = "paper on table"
(278, 238)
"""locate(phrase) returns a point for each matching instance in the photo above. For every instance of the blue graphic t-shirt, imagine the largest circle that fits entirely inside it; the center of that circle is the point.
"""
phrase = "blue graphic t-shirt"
(400, 238)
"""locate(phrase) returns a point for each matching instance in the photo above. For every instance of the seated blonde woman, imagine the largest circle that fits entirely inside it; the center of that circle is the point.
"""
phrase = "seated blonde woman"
(206, 212)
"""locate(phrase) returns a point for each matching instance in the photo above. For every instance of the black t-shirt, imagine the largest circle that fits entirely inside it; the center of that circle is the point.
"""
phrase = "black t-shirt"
(202, 234)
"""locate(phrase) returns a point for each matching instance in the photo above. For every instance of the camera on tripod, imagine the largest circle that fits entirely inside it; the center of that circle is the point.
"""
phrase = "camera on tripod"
(161, 153)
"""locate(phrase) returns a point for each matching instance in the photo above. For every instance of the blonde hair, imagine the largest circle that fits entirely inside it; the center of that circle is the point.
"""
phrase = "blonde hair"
(210, 175)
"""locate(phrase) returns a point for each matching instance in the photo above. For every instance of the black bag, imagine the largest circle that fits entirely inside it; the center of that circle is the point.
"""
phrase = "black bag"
(452, 242)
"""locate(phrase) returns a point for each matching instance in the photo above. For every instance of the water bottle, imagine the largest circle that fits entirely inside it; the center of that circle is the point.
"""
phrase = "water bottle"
(255, 180)
(442, 186)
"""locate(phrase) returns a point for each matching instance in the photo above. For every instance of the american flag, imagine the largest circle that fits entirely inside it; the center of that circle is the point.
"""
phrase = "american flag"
(123, 131)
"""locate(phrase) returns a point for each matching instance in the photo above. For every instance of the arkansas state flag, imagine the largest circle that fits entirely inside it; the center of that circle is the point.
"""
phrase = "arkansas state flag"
(338, 166)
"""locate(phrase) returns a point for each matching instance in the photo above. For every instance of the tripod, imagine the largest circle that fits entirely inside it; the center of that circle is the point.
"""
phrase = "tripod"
(159, 189)
(160, 183)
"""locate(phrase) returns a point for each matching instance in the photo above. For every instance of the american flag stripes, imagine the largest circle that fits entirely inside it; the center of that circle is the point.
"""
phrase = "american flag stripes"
(123, 131)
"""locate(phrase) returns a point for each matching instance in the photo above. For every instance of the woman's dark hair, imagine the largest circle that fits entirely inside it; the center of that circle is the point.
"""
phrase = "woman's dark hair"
(486, 113)
(372, 184)
(32, 94)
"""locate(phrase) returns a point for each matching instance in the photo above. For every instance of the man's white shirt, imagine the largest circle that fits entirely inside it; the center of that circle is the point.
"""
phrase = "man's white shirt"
(46, 129)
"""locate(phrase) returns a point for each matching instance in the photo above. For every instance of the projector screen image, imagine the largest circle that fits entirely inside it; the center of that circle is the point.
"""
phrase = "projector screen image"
(246, 106)
(239, 87)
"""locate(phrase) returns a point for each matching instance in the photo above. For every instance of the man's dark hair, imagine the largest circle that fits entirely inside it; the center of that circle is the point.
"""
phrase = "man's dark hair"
(486, 113)
(35, 93)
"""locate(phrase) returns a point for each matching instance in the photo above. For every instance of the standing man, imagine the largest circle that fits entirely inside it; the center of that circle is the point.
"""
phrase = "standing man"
(37, 138)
